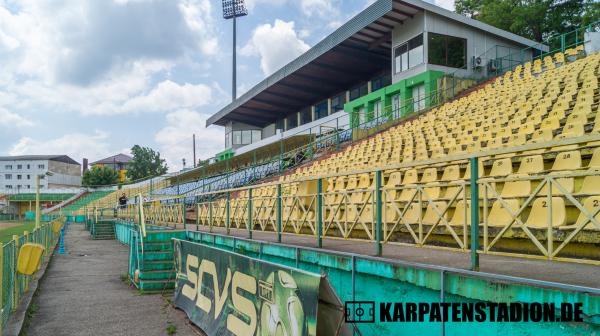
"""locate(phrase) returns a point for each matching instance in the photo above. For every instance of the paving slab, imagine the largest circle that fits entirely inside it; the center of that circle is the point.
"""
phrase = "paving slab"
(82, 293)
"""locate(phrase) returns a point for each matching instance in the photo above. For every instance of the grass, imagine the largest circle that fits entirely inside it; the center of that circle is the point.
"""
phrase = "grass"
(171, 328)
(6, 234)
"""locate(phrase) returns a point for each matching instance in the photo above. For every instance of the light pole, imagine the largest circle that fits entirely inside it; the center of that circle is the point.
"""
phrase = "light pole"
(37, 197)
(233, 9)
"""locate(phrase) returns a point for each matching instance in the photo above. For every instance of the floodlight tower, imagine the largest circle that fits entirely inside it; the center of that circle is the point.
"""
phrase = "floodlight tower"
(233, 9)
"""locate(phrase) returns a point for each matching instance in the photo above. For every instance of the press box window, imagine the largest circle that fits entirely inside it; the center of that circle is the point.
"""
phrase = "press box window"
(409, 54)
(447, 50)
(337, 103)
(321, 110)
(305, 116)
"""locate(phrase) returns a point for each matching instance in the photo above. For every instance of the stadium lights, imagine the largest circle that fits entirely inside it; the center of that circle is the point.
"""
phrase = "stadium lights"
(233, 9)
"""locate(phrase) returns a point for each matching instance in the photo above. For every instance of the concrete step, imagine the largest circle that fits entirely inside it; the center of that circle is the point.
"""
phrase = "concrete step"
(157, 255)
(156, 285)
(165, 275)
(156, 265)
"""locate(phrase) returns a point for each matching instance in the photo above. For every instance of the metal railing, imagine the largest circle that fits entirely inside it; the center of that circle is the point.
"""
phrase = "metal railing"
(13, 284)
(437, 215)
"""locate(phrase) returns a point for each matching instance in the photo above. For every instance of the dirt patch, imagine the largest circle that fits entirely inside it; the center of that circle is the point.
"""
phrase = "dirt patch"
(6, 225)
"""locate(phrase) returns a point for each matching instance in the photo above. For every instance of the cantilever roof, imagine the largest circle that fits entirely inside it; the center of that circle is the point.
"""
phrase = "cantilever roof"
(58, 158)
(359, 47)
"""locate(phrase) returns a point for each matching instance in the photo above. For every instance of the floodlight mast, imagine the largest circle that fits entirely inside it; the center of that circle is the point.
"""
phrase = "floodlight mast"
(233, 9)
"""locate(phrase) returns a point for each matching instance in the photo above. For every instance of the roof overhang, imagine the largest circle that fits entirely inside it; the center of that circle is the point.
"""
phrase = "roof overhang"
(357, 50)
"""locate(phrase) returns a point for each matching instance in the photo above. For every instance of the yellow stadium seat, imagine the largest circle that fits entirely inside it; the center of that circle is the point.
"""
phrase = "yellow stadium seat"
(30, 258)
(592, 205)
(538, 216)
(431, 216)
(500, 216)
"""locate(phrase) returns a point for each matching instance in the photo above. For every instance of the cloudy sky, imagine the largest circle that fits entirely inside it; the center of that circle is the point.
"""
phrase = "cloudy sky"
(91, 78)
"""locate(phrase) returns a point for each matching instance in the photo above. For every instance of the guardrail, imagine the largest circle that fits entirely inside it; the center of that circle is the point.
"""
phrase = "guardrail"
(368, 209)
(13, 284)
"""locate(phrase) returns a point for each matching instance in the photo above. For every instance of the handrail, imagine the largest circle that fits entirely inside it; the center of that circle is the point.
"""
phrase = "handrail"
(448, 159)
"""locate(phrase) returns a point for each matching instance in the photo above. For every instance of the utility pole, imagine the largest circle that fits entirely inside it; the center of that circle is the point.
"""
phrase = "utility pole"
(194, 145)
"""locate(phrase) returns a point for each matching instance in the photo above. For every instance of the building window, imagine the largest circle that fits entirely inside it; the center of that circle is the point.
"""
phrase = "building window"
(19, 177)
(380, 82)
(337, 102)
(28, 166)
(377, 110)
(279, 124)
(447, 50)
(29, 177)
(305, 116)
(8, 167)
(292, 121)
(19, 166)
(28, 186)
(409, 54)
(8, 177)
(256, 135)
(359, 91)
(321, 110)
(243, 137)
(41, 166)
(8, 186)
(418, 93)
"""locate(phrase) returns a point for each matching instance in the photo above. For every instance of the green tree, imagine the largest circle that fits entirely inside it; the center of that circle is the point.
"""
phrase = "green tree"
(146, 163)
(534, 19)
(100, 176)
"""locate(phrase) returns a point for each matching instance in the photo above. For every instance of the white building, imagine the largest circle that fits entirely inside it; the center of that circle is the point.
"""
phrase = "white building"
(17, 173)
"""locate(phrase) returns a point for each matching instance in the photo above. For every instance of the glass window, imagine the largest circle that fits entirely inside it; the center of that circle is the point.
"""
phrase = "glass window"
(337, 102)
(321, 110)
(41, 166)
(8, 167)
(377, 110)
(19, 166)
(415, 51)
(246, 137)
(279, 124)
(359, 91)
(237, 137)
(362, 117)
(418, 93)
(8, 186)
(8, 177)
(19, 177)
(292, 121)
(447, 50)
(305, 116)
(409, 54)
(256, 135)
(396, 105)
(227, 140)
(29, 177)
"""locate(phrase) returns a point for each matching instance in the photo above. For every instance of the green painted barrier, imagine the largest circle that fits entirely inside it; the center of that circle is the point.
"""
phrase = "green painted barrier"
(364, 278)
(226, 293)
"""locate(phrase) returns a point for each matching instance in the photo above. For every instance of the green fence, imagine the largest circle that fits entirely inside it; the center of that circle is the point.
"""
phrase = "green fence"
(15, 285)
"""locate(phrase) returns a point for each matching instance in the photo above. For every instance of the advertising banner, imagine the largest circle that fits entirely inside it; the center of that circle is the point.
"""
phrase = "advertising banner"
(226, 293)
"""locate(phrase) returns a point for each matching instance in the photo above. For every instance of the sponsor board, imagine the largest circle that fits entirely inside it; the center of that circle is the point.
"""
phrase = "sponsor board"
(226, 293)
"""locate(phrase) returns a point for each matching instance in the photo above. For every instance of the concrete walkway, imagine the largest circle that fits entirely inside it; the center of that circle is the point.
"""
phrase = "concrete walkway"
(82, 293)
(554, 271)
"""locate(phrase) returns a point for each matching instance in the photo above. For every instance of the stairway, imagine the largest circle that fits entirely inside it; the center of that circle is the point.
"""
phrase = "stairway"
(156, 269)
(103, 230)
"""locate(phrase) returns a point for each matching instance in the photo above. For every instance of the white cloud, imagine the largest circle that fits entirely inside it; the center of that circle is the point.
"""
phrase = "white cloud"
(167, 96)
(175, 139)
(251, 4)
(77, 145)
(276, 44)
(10, 119)
(321, 8)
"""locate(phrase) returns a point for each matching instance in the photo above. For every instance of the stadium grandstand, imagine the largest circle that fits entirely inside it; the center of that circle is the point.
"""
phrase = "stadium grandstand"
(409, 132)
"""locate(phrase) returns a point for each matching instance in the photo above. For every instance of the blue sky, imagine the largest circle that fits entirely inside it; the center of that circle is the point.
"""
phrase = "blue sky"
(91, 78)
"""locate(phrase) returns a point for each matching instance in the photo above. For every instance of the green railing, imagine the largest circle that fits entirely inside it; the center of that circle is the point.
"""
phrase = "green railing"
(15, 285)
